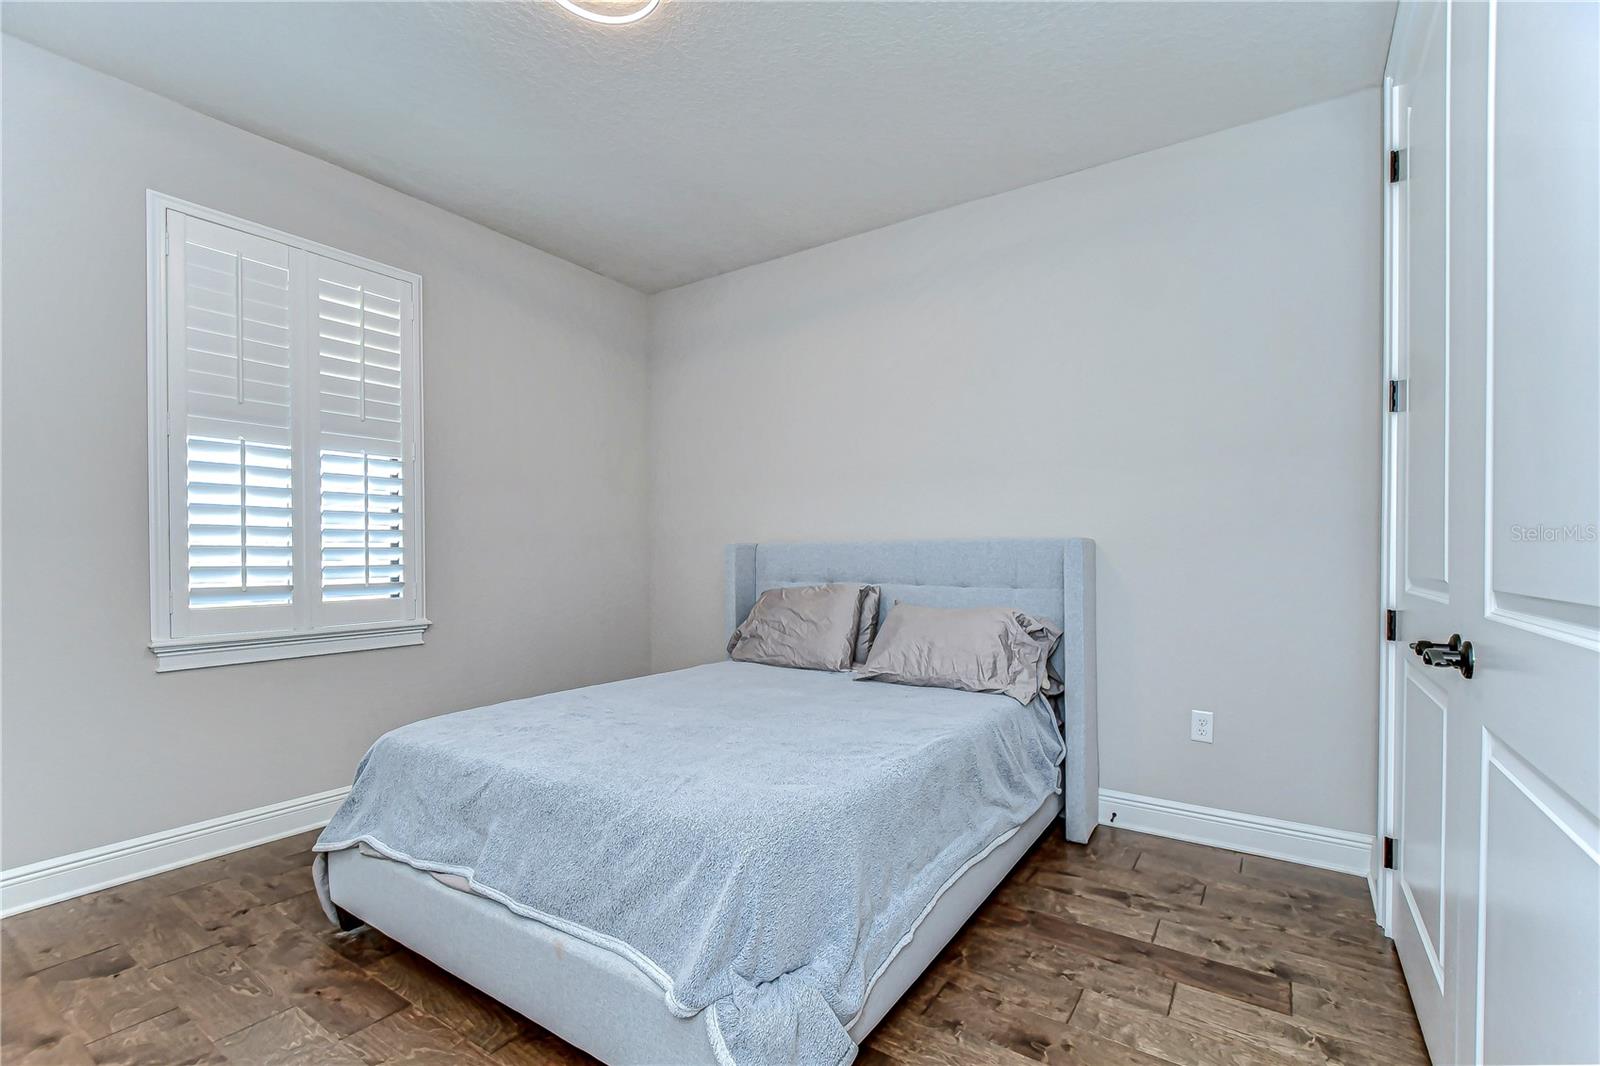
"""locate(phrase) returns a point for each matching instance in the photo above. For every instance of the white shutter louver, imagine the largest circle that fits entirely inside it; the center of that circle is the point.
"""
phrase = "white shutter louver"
(241, 536)
(234, 317)
(359, 327)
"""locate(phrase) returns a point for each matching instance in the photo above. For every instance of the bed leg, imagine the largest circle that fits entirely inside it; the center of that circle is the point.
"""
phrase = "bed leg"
(347, 921)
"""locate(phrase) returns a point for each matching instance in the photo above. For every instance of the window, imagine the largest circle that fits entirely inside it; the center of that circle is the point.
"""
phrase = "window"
(285, 445)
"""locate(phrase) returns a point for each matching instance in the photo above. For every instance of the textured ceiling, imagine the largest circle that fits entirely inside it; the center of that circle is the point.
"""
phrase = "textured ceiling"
(718, 134)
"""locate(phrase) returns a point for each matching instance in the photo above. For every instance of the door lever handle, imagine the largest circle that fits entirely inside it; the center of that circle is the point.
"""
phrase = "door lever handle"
(1455, 653)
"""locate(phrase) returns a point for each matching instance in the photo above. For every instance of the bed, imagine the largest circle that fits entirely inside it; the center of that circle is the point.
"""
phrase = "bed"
(661, 914)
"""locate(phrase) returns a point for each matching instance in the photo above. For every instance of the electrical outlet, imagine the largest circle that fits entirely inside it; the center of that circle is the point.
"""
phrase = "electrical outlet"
(1200, 726)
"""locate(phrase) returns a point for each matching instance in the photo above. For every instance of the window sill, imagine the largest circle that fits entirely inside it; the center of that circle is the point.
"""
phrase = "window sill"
(196, 653)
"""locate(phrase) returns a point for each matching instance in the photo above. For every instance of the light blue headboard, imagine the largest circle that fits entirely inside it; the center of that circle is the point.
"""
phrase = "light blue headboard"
(1049, 579)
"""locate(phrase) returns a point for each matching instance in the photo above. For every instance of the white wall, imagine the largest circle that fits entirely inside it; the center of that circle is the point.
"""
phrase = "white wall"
(535, 379)
(1177, 354)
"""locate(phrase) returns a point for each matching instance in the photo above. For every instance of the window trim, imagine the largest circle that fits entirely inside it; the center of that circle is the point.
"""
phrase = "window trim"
(187, 653)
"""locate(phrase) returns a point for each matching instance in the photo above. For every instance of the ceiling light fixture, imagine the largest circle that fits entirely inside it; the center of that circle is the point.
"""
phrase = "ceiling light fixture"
(610, 20)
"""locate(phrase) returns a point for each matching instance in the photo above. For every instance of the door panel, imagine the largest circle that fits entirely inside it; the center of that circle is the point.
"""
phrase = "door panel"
(1423, 127)
(1545, 378)
(1421, 822)
(1539, 918)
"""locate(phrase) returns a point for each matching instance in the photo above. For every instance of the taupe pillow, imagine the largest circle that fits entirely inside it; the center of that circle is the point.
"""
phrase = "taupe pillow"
(867, 631)
(809, 626)
(977, 649)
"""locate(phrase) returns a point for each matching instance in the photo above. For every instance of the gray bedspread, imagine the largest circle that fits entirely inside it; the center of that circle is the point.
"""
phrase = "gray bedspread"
(759, 841)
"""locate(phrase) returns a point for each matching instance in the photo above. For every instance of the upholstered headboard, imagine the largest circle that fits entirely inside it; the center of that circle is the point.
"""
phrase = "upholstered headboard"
(1050, 579)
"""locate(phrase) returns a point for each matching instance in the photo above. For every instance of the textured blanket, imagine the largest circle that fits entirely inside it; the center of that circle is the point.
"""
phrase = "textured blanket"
(759, 841)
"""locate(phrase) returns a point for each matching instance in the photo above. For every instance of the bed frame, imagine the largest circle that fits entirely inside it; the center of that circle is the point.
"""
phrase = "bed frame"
(598, 1001)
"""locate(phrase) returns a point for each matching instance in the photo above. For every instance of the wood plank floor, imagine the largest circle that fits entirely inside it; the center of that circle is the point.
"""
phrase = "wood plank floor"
(1131, 950)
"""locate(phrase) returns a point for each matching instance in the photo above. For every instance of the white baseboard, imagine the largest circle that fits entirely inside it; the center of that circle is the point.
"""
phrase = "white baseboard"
(1309, 845)
(53, 880)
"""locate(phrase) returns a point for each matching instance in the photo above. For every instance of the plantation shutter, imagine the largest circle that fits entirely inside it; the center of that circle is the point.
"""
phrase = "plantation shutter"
(286, 485)
(361, 326)
(230, 376)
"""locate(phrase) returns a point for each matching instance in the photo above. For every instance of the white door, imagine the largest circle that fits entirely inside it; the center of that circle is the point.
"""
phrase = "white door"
(1494, 779)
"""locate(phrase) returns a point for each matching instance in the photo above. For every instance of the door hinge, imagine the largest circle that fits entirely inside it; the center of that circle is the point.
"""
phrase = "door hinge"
(1388, 853)
(1391, 624)
(166, 243)
(1398, 165)
(1397, 395)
